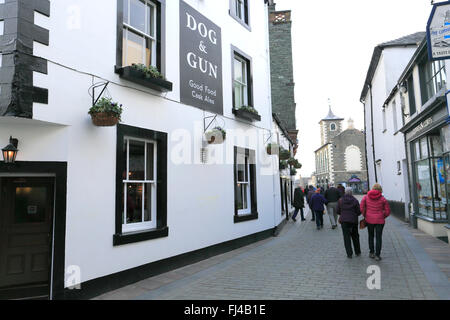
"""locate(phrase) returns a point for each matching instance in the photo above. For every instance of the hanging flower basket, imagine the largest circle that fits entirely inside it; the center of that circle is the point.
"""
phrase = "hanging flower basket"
(293, 172)
(283, 165)
(216, 135)
(292, 161)
(297, 165)
(284, 154)
(106, 113)
(273, 149)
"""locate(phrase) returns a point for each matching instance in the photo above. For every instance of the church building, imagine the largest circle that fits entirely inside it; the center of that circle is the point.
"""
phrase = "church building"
(341, 159)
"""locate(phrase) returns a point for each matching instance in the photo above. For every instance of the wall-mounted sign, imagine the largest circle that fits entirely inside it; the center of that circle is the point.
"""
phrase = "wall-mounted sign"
(438, 32)
(200, 61)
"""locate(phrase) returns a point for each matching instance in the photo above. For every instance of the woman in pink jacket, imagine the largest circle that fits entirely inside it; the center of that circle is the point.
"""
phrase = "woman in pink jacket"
(375, 210)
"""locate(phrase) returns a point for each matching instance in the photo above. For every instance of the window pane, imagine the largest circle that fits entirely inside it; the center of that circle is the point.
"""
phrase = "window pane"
(416, 150)
(148, 202)
(446, 137)
(244, 196)
(436, 145)
(150, 161)
(30, 205)
(124, 159)
(423, 187)
(438, 180)
(125, 10)
(137, 15)
(151, 20)
(133, 48)
(238, 98)
(423, 148)
(238, 75)
(134, 203)
(148, 52)
(239, 200)
(136, 160)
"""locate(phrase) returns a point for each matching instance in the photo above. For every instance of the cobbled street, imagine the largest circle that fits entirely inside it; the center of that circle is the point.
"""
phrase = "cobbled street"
(302, 263)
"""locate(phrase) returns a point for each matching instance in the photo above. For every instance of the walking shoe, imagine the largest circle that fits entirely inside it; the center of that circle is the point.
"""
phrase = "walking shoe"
(349, 257)
(358, 254)
(295, 220)
(303, 219)
(377, 258)
(372, 255)
(333, 227)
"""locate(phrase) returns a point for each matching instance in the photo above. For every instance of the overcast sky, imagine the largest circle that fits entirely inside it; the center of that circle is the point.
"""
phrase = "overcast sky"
(333, 44)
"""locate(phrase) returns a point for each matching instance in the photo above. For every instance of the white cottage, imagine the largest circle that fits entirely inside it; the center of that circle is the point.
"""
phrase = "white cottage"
(85, 208)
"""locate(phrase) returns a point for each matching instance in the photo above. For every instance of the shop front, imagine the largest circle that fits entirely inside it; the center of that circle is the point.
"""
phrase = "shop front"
(428, 145)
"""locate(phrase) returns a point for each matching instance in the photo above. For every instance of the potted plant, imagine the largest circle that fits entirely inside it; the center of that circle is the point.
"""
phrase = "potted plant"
(284, 154)
(247, 113)
(106, 113)
(273, 148)
(147, 76)
(293, 172)
(291, 161)
(283, 165)
(216, 135)
(297, 165)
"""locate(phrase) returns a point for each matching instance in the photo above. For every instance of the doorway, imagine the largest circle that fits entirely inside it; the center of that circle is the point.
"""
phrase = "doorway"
(26, 225)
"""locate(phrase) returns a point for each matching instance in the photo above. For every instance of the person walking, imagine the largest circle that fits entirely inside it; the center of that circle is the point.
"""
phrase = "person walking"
(375, 210)
(308, 199)
(332, 195)
(317, 204)
(341, 189)
(348, 209)
(299, 203)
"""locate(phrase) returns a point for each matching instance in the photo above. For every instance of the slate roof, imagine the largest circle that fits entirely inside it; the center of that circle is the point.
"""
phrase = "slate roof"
(410, 40)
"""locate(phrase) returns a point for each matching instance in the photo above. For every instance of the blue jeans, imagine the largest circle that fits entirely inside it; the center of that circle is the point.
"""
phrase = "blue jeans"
(319, 218)
(296, 213)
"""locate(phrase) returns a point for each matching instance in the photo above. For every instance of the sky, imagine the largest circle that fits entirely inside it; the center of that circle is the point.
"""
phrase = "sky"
(333, 43)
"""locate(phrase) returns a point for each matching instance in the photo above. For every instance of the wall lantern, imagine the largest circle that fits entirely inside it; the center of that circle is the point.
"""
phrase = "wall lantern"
(404, 87)
(10, 151)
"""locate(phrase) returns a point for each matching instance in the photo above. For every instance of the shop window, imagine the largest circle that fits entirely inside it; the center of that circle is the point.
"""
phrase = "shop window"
(431, 174)
(245, 185)
(141, 185)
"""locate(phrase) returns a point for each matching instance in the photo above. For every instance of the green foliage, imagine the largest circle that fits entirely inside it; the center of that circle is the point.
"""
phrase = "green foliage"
(283, 165)
(293, 171)
(221, 130)
(284, 154)
(249, 109)
(150, 72)
(108, 106)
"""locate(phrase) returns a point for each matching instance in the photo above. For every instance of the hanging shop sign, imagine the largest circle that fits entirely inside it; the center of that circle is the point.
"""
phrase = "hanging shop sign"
(438, 32)
(200, 61)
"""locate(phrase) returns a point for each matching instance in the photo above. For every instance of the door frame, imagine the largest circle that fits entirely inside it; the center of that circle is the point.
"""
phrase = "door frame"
(58, 171)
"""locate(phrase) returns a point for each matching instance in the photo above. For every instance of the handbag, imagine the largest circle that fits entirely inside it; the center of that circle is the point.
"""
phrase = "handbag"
(362, 224)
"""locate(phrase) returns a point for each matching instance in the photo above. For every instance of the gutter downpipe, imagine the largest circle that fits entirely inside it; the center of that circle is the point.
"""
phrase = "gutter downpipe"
(365, 143)
(373, 135)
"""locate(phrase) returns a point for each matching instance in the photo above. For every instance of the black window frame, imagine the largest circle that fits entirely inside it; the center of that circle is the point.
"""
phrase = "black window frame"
(424, 67)
(237, 52)
(161, 230)
(243, 22)
(253, 186)
(160, 35)
(411, 95)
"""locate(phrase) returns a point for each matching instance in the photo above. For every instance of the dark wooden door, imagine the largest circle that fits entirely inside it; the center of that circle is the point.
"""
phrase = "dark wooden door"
(26, 211)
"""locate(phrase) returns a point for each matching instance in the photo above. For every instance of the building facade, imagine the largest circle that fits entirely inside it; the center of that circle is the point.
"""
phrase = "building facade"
(383, 119)
(427, 139)
(94, 208)
(341, 158)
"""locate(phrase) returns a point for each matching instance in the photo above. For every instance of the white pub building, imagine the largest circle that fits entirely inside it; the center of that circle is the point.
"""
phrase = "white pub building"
(87, 207)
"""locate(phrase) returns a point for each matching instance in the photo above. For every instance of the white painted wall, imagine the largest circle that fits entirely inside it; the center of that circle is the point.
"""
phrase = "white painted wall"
(200, 209)
(388, 142)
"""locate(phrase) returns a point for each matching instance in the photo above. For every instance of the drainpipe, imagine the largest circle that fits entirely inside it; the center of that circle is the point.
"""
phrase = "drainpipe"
(365, 144)
(373, 134)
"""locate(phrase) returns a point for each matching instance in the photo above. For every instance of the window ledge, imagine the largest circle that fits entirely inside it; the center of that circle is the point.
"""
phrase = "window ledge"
(242, 23)
(246, 115)
(425, 218)
(133, 237)
(247, 217)
(136, 76)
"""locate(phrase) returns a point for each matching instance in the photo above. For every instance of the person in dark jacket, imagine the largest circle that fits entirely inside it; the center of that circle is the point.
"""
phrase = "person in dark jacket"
(349, 210)
(341, 189)
(299, 203)
(317, 204)
(308, 199)
(332, 195)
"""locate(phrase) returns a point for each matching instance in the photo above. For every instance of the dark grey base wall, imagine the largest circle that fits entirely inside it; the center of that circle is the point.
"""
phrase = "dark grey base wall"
(96, 287)
(398, 209)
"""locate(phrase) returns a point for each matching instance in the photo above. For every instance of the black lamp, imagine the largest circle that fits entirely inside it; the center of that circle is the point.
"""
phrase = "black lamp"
(10, 151)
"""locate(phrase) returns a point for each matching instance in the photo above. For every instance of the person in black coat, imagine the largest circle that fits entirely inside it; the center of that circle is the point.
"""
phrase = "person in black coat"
(349, 210)
(299, 203)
